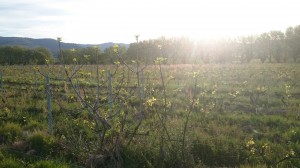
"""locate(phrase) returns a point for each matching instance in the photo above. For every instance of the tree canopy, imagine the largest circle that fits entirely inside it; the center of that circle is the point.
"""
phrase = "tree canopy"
(271, 47)
(11, 55)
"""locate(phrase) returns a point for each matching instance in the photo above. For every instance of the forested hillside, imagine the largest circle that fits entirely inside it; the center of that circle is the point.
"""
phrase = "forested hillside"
(50, 44)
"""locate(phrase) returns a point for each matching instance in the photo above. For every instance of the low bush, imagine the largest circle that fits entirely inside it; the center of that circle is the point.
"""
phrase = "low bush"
(1, 156)
(33, 125)
(48, 164)
(10, 163)
(9, 132)
(41, 143)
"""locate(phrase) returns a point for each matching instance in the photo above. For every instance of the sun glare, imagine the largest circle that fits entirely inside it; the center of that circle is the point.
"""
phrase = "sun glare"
(216, 18)
(94, 21)
(196, 19)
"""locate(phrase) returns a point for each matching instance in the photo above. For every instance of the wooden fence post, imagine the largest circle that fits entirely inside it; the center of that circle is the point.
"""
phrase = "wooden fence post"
(1, 80)
(35, 83)
(109, 76)
(142, 85)
(49, 105)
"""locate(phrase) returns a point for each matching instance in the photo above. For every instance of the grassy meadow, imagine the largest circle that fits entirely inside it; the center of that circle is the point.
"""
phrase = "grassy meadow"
(209, 115)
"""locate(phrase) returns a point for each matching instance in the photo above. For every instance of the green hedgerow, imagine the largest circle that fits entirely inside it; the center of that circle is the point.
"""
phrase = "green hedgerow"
(10, 132)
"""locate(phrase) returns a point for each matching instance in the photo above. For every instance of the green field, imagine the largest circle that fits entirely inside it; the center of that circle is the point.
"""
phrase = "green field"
(229, 115)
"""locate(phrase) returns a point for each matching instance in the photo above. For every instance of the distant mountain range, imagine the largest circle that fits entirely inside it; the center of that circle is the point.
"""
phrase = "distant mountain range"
(50, 44)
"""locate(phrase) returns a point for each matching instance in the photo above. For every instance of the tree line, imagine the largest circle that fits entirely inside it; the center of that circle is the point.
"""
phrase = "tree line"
(12, 55)
(268, 47)
(271, 47)
(89, 55)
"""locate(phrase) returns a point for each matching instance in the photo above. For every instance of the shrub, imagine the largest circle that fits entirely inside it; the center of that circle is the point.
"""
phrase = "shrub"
(9, 132)
(33, 125)
(48, 164)
(35, 110)
(1, 156)
(40, 142)
(295, 136)
(218, 152)
(202, 152)
(10, 163)
(138, 157)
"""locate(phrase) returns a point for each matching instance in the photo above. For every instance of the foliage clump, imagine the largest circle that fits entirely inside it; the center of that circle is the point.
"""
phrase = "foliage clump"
(9, 132)
(48, 164)
(41, 143)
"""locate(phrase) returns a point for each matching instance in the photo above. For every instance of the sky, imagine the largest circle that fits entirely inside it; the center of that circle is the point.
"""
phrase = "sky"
(99, 21)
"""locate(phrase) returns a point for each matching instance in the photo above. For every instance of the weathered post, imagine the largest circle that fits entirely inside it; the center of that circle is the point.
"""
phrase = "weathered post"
(109, 76)
(142, 85)
(35, 83)
(1, 81)
(49, 104)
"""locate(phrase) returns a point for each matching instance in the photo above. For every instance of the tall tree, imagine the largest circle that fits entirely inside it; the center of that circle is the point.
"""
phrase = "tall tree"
(293, 42)
(263, 48)
(276, 43)
(246, 48)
